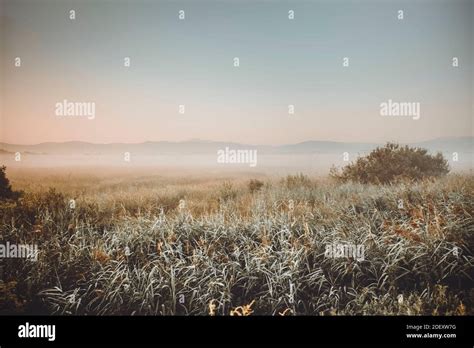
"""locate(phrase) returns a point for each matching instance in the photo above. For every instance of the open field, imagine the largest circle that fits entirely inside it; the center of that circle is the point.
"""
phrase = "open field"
(142, 243)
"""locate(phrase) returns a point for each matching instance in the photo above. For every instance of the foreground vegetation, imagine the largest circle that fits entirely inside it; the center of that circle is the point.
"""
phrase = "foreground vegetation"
(153, 245)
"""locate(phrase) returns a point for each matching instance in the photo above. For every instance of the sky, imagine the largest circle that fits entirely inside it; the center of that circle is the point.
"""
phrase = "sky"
(190, 62)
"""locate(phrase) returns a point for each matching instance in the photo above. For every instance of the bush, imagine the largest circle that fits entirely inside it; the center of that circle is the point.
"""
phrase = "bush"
(295, 181)
(6, 191)
(255, 185)
(391, 163)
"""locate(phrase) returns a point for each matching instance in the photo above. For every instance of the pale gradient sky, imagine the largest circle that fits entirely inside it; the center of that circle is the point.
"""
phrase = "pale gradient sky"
(191, 62)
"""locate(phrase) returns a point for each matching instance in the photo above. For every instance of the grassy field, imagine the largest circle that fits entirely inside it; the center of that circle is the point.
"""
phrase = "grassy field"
(147, 244)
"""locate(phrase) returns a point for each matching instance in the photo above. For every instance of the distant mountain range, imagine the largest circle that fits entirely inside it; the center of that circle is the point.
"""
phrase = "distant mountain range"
(199, 147)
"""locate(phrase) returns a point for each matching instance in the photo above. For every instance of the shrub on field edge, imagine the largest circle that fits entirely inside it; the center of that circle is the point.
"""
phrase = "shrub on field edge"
(6, 191)
(391, 163)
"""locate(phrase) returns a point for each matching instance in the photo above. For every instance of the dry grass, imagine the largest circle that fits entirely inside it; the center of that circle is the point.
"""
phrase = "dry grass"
(129, 247)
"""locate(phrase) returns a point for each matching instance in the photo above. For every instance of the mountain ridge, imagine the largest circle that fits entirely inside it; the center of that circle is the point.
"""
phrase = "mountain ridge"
(199, 146)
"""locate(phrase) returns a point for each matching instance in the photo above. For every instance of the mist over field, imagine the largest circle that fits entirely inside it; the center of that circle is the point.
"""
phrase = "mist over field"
(311, 157)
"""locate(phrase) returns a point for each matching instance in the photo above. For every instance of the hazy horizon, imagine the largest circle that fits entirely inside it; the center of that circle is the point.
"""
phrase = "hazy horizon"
(196, 140)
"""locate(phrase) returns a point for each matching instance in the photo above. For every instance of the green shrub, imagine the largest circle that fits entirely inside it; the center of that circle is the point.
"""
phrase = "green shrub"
(392, 163)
